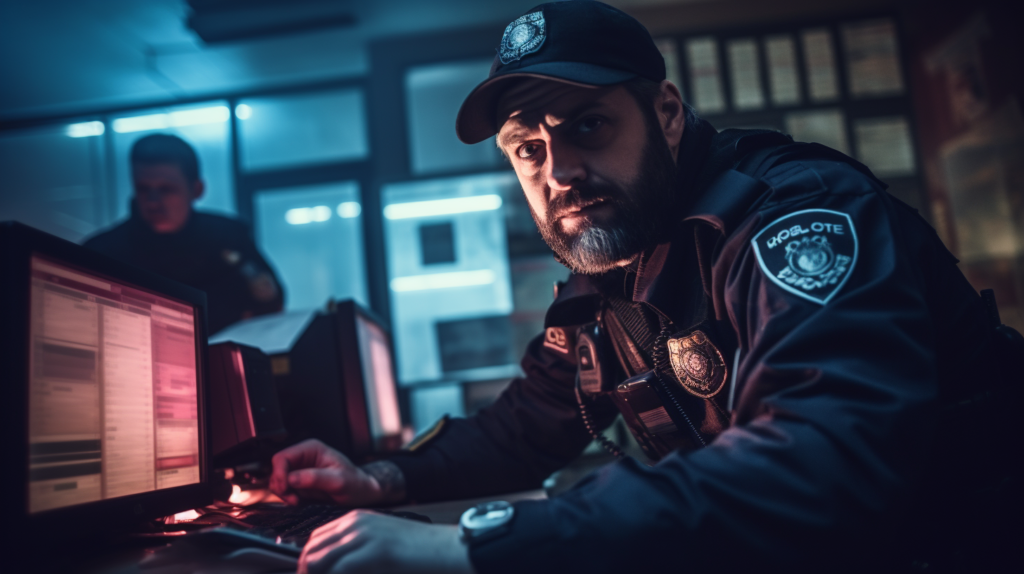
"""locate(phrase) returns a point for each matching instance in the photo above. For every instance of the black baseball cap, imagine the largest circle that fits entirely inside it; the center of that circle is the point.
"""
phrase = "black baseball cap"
(580, 42)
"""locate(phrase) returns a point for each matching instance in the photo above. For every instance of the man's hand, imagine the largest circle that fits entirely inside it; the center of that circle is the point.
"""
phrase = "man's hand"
(312, 470)
(365, 541)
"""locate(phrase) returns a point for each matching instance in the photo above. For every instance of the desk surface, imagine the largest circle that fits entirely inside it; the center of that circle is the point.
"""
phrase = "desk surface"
(124, 559)
(449, 512)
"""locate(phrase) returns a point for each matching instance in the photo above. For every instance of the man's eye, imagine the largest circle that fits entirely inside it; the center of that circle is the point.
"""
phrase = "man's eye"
(590, 125)
(528, 150)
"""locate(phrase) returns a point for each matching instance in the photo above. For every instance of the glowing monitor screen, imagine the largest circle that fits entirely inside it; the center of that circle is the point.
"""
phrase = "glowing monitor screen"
(113, 407)
(379, 380)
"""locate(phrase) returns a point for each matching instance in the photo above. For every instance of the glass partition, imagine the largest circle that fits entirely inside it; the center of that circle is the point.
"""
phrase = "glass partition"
(433, 95)
(313, 237)
(53, 179)
(448, 270)
(429, 403)
(296, 130)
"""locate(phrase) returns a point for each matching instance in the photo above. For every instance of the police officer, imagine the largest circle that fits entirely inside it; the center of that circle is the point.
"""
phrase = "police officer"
(167, 236)
(777, 331)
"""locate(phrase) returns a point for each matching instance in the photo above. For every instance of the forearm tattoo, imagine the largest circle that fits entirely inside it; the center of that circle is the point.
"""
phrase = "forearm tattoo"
(390, 478)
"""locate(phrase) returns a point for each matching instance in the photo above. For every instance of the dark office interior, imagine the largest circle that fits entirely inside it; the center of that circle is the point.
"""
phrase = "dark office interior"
(327, 129)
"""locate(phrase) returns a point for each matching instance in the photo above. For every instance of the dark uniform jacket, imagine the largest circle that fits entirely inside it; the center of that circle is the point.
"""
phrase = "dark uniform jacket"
(817, 442)
(212, 253)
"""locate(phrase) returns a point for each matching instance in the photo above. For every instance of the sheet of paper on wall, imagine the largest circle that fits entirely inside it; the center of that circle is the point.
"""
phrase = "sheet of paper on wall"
(820, 63)
(884, 145)
(745, 73)
(872, 59)
(783, 77)
(667, 47)
(705, 75)
(827, 127)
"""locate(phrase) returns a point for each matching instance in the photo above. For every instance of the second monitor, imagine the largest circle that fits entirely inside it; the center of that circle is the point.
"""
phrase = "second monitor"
(335, 376)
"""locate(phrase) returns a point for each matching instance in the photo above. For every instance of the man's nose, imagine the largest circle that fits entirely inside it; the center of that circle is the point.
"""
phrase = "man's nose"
(565, 166)
(148, 195)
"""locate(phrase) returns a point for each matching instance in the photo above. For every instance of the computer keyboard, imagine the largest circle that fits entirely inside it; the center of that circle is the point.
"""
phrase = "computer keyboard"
(289, 524)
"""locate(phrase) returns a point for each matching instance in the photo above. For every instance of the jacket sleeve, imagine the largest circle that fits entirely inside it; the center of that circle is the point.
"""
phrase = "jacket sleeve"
(266, 294)
(533, 429)
(834, 406)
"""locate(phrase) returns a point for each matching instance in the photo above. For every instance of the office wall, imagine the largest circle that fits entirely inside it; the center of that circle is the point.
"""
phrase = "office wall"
(969, 80)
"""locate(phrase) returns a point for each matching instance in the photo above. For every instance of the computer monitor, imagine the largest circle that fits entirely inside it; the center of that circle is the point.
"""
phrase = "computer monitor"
(104, 419)
(369, 378)
(335, 375)
(245, 420)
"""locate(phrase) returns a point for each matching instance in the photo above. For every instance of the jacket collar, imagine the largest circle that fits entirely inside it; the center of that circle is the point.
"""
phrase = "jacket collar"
(720, 198)
(724, 196)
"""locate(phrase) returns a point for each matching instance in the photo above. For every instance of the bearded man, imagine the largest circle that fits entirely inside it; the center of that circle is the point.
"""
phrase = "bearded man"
(775, 329)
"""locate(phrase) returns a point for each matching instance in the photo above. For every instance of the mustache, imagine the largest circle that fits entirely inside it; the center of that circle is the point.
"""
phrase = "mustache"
(580, 197)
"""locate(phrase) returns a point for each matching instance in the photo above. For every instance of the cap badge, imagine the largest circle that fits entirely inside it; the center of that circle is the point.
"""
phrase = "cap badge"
(523, 36)
(697, 364)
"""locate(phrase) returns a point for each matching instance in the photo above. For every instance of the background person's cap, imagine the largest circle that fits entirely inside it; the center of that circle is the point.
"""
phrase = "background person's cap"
(579, 42)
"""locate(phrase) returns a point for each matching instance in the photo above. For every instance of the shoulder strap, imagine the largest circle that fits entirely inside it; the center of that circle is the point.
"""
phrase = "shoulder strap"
(752, 152)
(629, 355)
(636, 324)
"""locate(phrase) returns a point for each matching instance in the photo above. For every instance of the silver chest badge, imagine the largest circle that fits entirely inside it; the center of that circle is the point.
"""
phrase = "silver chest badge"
(523, 36)
(698, 365)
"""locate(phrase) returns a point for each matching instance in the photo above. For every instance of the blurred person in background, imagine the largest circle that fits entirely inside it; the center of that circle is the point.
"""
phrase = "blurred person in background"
(165, 234)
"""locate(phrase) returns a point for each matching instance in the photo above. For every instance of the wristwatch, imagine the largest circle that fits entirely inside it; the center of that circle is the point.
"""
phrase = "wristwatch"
(485, 521)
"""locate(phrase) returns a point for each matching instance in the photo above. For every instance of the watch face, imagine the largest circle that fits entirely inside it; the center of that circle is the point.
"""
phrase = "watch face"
(485, 518)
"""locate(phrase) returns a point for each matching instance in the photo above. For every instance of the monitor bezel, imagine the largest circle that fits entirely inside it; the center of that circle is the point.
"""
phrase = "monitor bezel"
(363, 443)
(18, 244)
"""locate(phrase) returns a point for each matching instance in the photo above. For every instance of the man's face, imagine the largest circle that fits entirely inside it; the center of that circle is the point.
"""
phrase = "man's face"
(164, 195)
(599, 180)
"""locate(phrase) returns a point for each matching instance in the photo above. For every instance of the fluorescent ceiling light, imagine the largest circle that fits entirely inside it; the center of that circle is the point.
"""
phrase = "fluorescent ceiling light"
(140, 123)
(211, 115)
(442, 206)
(86, 129)
(442, 280)
(349, 209)
(303, 215)
(243, 112)
(214, 115)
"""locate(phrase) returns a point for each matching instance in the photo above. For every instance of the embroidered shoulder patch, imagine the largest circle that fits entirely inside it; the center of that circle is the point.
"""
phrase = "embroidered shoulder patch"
(557, 338)
(810, 253)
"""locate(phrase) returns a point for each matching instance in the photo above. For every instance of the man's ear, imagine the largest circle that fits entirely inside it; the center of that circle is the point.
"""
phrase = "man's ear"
(668, 105)
(198, 189)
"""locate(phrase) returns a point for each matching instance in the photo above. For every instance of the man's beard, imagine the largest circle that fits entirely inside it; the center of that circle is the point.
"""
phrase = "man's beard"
(643, 212)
